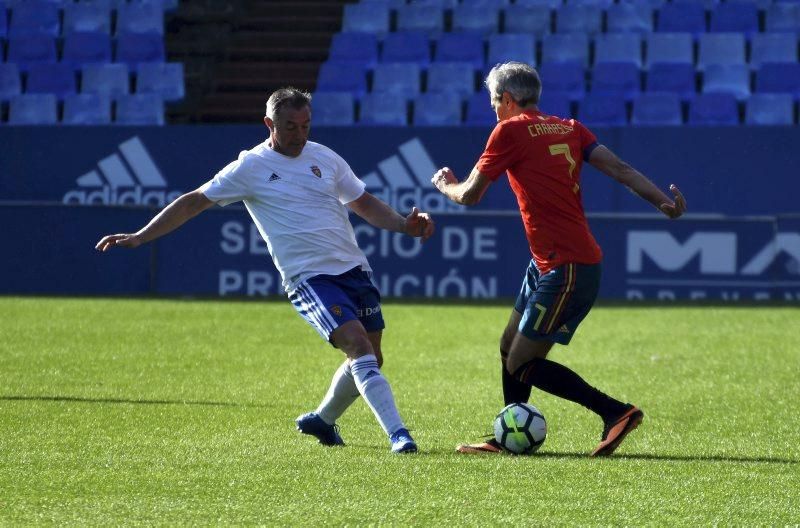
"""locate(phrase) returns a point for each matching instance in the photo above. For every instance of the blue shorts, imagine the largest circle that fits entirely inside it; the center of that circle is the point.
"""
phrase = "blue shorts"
(554, 304)
(329, 301)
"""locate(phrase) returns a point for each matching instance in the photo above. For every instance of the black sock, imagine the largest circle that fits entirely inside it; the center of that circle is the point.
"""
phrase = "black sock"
(560, 381)
(514, 391)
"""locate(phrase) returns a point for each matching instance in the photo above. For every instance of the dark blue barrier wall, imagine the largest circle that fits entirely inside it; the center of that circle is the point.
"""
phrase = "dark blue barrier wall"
(730, 170)
(50, 250)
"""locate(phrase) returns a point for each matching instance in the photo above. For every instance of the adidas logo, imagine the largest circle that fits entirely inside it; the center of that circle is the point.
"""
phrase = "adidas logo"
(403, 180)
(133, 170)
(370, 374)
(274, 177)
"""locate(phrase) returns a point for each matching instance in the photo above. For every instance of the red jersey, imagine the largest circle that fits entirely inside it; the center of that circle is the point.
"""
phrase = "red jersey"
(543, 156)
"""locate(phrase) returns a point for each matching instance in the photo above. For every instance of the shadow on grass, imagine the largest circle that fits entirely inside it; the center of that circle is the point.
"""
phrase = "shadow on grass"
(677, 458)
(79, 399)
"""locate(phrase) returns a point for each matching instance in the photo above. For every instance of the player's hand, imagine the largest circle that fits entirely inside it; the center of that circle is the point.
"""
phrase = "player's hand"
(443, 178)
(419, 225)
(128, 240)
(676, 208)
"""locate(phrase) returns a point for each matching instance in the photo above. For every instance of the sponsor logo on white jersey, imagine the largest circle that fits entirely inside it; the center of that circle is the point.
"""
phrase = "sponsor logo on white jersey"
(403, 180)
(129, 177)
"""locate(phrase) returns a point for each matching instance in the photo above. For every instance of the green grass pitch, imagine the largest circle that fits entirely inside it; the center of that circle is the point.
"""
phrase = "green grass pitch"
(168, 412)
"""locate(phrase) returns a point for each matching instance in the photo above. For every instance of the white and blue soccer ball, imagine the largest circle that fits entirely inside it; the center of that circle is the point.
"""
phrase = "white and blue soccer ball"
(520, 428)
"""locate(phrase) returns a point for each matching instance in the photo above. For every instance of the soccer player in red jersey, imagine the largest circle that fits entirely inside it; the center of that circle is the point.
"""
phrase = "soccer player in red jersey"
(543, 156)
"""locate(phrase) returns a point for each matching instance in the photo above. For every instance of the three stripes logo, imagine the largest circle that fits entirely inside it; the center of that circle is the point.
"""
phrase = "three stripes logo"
(403, 180)
(129, 177)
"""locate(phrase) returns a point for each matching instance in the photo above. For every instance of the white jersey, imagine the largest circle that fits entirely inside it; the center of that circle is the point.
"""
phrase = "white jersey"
(298, 206)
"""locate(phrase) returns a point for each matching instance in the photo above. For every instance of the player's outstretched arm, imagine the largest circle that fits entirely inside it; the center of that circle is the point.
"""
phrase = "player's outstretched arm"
(381, 215)
(607, 162)
(468, 192)
(170, 218)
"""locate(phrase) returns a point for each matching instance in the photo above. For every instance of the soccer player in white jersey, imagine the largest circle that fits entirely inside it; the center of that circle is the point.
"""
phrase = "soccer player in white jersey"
(298, 193)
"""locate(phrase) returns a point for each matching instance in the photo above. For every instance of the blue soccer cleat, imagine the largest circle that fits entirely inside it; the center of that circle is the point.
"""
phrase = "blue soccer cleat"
(312, 424)
(402, 442)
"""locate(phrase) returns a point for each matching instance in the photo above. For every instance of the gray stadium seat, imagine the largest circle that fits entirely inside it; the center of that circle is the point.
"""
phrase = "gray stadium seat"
(139, 109)
(437, 109)
(33, 109)
(86, 109)
(770, 109)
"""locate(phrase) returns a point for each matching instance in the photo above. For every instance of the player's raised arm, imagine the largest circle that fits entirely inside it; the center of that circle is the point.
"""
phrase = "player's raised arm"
(607, 162)
(468, 192)
(170, 218)
(381, 215)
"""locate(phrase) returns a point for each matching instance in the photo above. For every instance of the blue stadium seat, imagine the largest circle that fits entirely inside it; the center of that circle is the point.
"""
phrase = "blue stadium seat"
(140, 18)
(429, 20)
(735, 17)
(603, 110)
(451, 77)
(461, 47)
(366, 18)
(30, 49)
(87, 17)
(3, 23)
(55, 78)
(672, 77)
(110, 80)
(86, 48)
(438, 4)
(602, 4)
(164, 79)
(770, 109)
(549, 4)
(86, 109)
(478, 19)
(139, 109)
(621, 79)
(333, 108)
(727, 78)
(689, 17)
(407, 46)
(534, 19)
(714, 109)
(499, 4)
(380, 109)
(342, 77)
(618, 47)
(437, 109)
(557, 104)
(568, 47)
(136, 48)
(479, 110)
(354, 47)
(584, 19)
(564, 77)
(33, 109)
(772, 47)
(34, 18)
(400, 79)
(506, 47)
(10, 83)
(783, 17)
(720, 48)
(779, 77)
(630, 17)
(670, 48)
(657, 109)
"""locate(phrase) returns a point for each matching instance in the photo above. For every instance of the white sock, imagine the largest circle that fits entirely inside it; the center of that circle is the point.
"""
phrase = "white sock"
(376, 392)
(341, 394)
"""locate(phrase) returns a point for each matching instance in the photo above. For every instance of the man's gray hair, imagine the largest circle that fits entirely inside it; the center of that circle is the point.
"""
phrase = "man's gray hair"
(518, 79)
(286, 97)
